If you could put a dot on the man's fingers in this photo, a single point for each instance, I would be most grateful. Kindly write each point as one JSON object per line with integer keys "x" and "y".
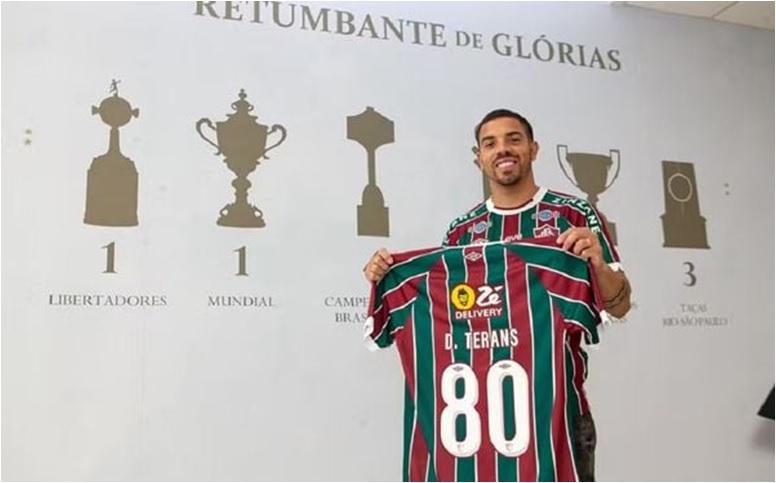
{"x": 378, "y": 264}
{"x": 374, "y": 274}
{"x": 579, "y": 246}
{"x": 382, "y": 264}
{"x": 571, "y": 240}
{"x": 383, "y": 254}
{"x": 563, "y": 236}
{"x": 585, "y": 244}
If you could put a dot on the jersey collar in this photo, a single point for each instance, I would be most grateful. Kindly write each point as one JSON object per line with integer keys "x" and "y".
{"x": 536, "y": 199}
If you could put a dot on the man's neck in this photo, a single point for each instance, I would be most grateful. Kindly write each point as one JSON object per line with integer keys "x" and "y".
{"x": 512, "y": 196}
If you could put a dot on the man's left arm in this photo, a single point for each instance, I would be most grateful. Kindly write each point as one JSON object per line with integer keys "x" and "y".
{"x": 613, "y": 284}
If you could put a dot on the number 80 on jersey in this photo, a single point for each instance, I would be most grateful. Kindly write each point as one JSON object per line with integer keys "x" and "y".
{"x": 465, "y": 406}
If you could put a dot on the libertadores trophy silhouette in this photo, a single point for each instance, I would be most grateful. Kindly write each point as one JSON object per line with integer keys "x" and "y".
{"x": 112, "y": 180}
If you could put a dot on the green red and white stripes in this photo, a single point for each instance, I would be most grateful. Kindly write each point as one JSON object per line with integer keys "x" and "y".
{"x": 489, "y": 338}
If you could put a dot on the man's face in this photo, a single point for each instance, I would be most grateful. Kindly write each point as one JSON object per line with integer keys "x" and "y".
{"x": 505, "y": 153}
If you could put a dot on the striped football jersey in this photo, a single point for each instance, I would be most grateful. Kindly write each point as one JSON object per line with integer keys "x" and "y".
{"x": 548, "y": 214}
{"x": 490, "y": 337}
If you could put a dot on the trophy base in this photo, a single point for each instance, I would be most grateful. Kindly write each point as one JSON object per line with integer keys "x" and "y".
{"x": 684, "y": 232}
{"x": 98, "y": 221}
{"x": 373, "y": 220}
{"x": 241, "y": 215}
{"x": 111, "y": 192}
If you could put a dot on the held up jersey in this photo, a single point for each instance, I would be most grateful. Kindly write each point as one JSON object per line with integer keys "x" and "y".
{"x": 490, "y": 337}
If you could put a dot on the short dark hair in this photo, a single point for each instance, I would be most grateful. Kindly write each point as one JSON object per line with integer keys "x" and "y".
{"x": 503, "y": 113}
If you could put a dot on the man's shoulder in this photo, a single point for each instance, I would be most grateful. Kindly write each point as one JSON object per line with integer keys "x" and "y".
{"x": 471, "y": 214}
{"x": 560, "y": 198}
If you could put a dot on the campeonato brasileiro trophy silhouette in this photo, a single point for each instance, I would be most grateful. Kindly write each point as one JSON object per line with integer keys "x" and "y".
{"x": 112, "y": 180}
{"x": 243, "y": 142}
{"x": 371, "y": 130}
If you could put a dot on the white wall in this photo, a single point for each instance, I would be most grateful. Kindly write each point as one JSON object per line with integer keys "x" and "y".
{"x": 188, "y": 391}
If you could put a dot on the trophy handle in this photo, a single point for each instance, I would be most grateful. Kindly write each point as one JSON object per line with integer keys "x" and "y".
{"x": 275, "y": 127}
{"x": 202, "y": 121}
{"x": 562, "y": 153}
{"x": 615, "y": 155}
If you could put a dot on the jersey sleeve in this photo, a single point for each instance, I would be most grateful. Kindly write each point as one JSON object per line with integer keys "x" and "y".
{"x": 390, "y": 305}
{"x": 598, "y": 224}
{"x": 451, "y": 236}
{"x": 392, "y": 299}
{"x": 601, "y": 228}
{"x": 569, "y": 281}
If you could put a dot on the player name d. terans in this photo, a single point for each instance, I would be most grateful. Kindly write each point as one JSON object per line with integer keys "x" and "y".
{"x": 485, "y": 339}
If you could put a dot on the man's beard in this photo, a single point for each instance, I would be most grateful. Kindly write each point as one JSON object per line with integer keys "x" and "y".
{"x": 509, "y": 180}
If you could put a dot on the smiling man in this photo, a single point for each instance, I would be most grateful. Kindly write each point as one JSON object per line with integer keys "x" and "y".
{"x": 509, "y": 326}
{"x": 518, "y": 208}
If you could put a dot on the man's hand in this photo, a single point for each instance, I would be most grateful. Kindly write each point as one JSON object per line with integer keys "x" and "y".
{"x": 583, "y": 242}
{"x": 378, "y": 264}
{"x": 614, "y": 286}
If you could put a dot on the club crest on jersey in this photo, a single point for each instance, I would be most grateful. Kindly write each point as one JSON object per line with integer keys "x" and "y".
{"x": 484, "y": 302}
{"x": 480, "y": 227}
{"x": 546, "y": 230}
{"x": 545, "y": 216}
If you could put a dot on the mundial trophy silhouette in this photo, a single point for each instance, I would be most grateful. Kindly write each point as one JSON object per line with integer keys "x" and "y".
{"x": 243, "y": 142}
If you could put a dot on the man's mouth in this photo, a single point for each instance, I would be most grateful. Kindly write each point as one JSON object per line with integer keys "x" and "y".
{"x": 505, "y": 163}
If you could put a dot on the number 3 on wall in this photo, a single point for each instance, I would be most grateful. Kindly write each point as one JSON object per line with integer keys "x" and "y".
{"x": 691, "y": 274}
{"x": 465, "y": 406}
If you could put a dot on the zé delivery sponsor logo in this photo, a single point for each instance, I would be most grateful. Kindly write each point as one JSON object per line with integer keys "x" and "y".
{"x": 483, "y": 302}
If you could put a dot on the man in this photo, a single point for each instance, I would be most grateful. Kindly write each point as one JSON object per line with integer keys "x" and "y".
{"x": 506, "y": 151}
{"x": 518, "y": 209}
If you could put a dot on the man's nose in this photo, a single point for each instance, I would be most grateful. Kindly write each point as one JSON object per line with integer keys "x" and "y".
{"x": 501, "y": 148}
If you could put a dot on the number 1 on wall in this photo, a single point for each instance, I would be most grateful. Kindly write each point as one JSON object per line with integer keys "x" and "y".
{"x": 110, "y": 262}
{"x": 241, "y": 262}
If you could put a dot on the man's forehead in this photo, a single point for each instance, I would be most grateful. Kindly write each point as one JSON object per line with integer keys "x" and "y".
{"x": 502, "y": 125}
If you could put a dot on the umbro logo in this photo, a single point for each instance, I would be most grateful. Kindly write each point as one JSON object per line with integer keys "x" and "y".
{"x": 473, "y": 256}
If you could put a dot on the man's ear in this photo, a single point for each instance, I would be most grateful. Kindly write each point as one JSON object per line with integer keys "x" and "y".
{"x": 476, "y": 151}
{"x": 535, "y": 149}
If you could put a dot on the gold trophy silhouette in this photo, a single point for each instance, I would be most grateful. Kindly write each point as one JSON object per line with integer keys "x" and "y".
{"x": 590, "y": 172}
{"x": 111, "y": 183}
{"x": 683, "y": 224}
{"x": 243, "y": 142}
{"x": 371, "y": 130}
